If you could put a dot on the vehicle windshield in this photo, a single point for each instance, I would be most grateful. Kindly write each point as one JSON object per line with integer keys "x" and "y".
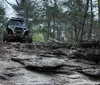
{"x": 16, "y": 23}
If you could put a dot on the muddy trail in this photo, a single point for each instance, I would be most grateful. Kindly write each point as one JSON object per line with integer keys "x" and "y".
{"x": 50, "y": 64}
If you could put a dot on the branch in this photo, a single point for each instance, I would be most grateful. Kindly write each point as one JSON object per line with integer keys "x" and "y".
{"x": 17, "y": 3}
{"x": 8, "y": 3}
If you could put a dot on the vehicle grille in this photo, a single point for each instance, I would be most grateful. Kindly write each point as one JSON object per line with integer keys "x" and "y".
{"x": 18, "y": 30}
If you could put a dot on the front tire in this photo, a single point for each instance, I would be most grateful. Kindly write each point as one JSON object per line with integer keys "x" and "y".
{"x": 5, "y": 36}
{"x": 29, "y": 38}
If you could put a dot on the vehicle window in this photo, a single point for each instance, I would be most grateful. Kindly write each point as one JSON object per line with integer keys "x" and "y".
{"x": 16, "y": 23}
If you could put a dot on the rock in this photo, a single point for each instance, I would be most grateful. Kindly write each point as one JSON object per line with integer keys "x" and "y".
{"x": 55, "y": 46}
{"x": 37, "y": 64}
{"x": 88, "y": 50}
{"x": 88, "y": 54}
{"x": 47, "y": 55}
{"x": 91, "y": 71}
{"x": 40, "y": 62}
{"x": 60, "y": 52}
{"x": 89, "y": 44}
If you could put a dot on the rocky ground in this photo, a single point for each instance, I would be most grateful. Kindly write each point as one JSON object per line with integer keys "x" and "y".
{"x": 50, "y": 64}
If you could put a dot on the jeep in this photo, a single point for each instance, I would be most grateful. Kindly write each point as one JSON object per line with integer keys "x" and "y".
{"x": 17, "y": 31}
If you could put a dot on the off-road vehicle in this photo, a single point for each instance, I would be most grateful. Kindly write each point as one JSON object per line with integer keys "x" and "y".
{"x": 17, "y": 31}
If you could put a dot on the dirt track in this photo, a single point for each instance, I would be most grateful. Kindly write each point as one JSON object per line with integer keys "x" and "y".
{"x": 36, "y": 64}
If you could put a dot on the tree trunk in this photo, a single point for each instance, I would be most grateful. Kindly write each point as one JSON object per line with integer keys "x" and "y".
{"x": 99, "y": 17}
{"x": 79, "y": 26}
{"x": 49, "y": 31}
{"x": 54, "y": 27}
{"x": 91, "y": 22}
{"x": 27, "y": 13}
{"x": 84, "y": 18}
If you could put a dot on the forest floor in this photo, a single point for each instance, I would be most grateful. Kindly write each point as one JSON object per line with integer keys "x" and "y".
{"x": 50, "y": 64}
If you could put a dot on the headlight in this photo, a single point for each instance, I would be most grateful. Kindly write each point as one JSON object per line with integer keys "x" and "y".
{"x": 9, "y": 26}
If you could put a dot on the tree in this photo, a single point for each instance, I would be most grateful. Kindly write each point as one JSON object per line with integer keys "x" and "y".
{"x": 91, "y": 21}
{"x": 2, "y": 20}
{"x": 52, "y": 16}
{"x": 84, "y": 19}
{"x": 67, "y": 19}
{"x": 99, "y": 15}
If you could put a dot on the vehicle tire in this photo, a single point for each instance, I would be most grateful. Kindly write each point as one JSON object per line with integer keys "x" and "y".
{"x": 29, "y": 38}
{"x": 5, "y": 36}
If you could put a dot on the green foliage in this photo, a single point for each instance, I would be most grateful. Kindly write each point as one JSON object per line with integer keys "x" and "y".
{"x": 99, "y": 2}
{"x": 2, "y": 15}
{"x": 38, "y": 37}
{"x": 54, "y": 18}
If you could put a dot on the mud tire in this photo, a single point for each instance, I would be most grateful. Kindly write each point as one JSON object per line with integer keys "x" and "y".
{"x": 29, "y": 38}
{"x": 5, "y": 36}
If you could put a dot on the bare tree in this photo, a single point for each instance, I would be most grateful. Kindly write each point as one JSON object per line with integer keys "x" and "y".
{"x": 84, "y": 18}
{"x": 91, "y": 21}
{"x": 99, "y": 15}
